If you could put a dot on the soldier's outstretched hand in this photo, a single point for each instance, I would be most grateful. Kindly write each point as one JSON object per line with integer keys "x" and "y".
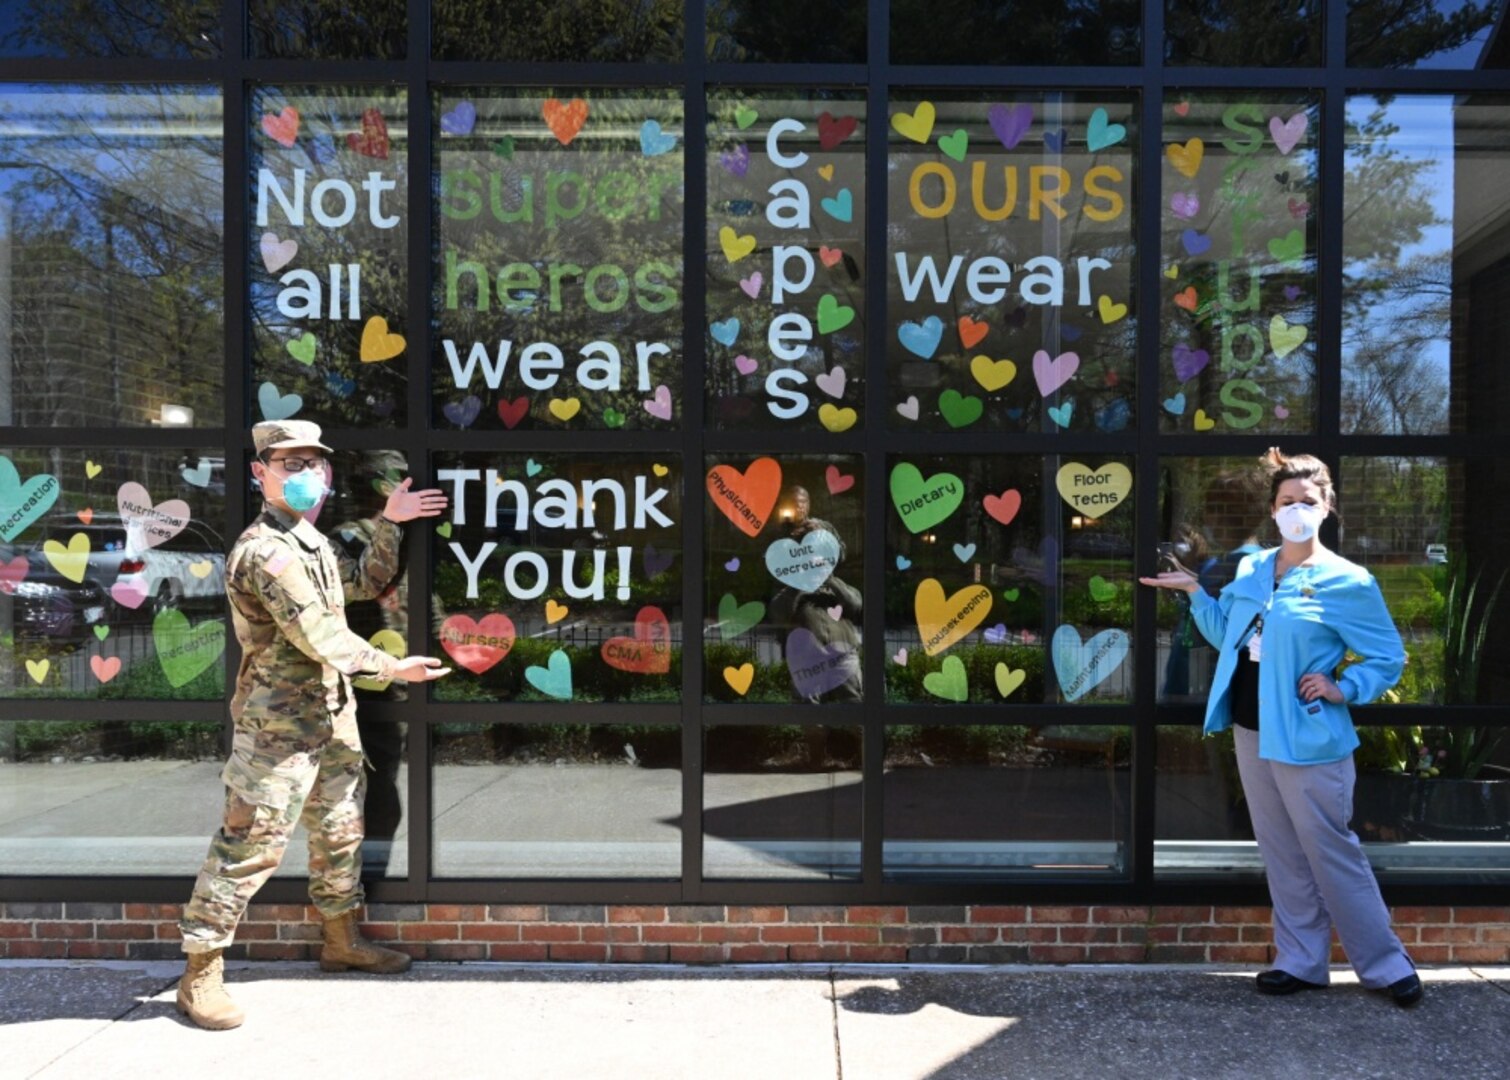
{"x": 406, "y": 505}
{"x": 420, "y": 669}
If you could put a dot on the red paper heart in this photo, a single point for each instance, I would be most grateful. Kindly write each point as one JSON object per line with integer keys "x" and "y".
{"x": 564, "y": 118}
{"x": 475, "y": 645}
{"x": 649, "y": 651}
{"x": 971, "y": 332}
{"x": 105, "y": 668}
{"x": 832, "y": 131}
{"x": 829, "y": 256}
{"x": 282, "y": 128}
{"x": 838, "y": 482}
{"x": 1003, "y": 507}
{"x": 746, "y": 498}
{"x": 373, "y": 139}
{"x": 511, "y": 412}
{"x": 12, "y": 573}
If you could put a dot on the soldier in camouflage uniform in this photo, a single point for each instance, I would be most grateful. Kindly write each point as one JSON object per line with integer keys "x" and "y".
{"x": 296, "y": 754}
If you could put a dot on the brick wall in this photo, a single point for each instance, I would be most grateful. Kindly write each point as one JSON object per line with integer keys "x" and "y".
{"x": 718, "y": 934}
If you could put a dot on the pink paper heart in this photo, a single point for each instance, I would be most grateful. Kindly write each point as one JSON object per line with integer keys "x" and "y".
{"x": 148, "y": 525}
{"x": 12, "y": 573}
{"x": 1053, "y": 372}
{"x": 909, "y": 408}
{"x": 751, "y": 285}
{"x": 836, "y": 612}
{"x": 744, "y": 365}
{"x": 1185, "y": 204}
{"x": 832, "y": 383}
{"x": 900, "y": 656}
{"x": 1281, "y": 412}
{"x": 1286, "y": 133}
{"x": 660, "y": 406}
{"x": 129, "y": 592}
{"x": 276, "y": 254}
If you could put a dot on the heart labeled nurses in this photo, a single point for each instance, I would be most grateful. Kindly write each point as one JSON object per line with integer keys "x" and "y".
{"x": 1239, "y": 283}
{"x": 999, "y": 244}
{"x": 785, "y": 289}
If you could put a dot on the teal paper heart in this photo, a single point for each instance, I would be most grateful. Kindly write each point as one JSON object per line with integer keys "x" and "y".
{"x": 553, "y": 680}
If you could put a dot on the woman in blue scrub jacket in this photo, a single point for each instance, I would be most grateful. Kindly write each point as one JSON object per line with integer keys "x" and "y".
{"x": 1281, "y": 627}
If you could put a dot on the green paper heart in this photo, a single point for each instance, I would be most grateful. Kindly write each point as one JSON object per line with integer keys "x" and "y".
{"x": 302, "y": 349}
{"x": 101, "y": 632}
{"x": 1011, "y": 595}
{"x": 184, "y": 651}
{"x": 922, "y": 503}
{"x": 744, "y": 116}
{"x": 613, "y": 418}
{"x": 833, "y": 315}
{"x": 1289, "y": 248}
{"x": 504, "y": 147}
{"x": 553, "y": 680}
{"x": 951, "y": 684}
{"x": 735, "y": 618}
{"x": 1102, "y": 590}
{"x": 958, "y": 410}
{"x": 444, "y": 529}
{"x": 954, "y": 146}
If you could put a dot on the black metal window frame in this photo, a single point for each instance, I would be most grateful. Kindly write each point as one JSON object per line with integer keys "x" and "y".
{"x": 235, "y": 73}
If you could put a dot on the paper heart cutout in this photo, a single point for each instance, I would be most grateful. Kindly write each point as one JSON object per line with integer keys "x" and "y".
{"x": 554, "y": 680}
{"x": 746, "y": 498}
{"x": 648, "y": 652}
{"x": 276, "y": 253}
{"x": 565, "y": 119}
{"x": 1082, "y": 665}
{"x": 816, "y": 668}
{"x": 951, "y": 682}
{"x": 477, "y": 644}
{"x": 70, "y": 560}
{"x": 105, "y": 668}
{"x": 944, "y": 620}
{"x": 378, "y": 344}
{"x": 282, "y": 127}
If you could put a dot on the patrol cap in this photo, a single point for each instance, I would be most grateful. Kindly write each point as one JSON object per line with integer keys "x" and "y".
{"x": 277, "y": 434}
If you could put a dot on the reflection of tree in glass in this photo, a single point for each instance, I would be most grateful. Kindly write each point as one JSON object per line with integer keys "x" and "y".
{"x": 558, "y": 30}
{"x": 163, "y": 28}
{"x": 1400, "y": 33}
{"x": 1030, "y": 31}
{"x": 782, "y": 31}
{"x": 307, "y": 29}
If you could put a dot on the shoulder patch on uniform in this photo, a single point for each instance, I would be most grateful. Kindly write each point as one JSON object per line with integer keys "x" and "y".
{"x": 279, "y": 563}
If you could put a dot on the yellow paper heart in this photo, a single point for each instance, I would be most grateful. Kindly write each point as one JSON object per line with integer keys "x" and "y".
{"x": 1284, "y": 337}
{"x": 735, "y": 247}
{"x": 70, "y": 561}
{"x": 555, "y": 612}
{"x": 916, "y": 125}
{"x": 1187, "y": 158}
{"x": 826, "y": 171}
{"x": 202, "y": 568}
{"x": 1172, "y": 273}
{"x": 38, "y": 669}
{"x": 659, "y": 469}
{"x": 1008, "y": 680}
{"x": 377, "y": 343}
{"x": 1110, "y": 312}
{"x": 944, "y": 620}
{"x": 992, "y": 374}
{"x": 740, "y": 678}
{"x": 92, "y": 470}
{"x": 565, "y": 409}
{"x": 1093, "y": 492}
{"x": 390, "y": 642}
{"x": 837, "y": 419}
{"x": 1202, "y": 421}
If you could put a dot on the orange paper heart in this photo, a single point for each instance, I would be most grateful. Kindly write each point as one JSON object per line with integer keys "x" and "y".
{"x": 565, "y": 119}
{"x": 282, "y": 128}
{"x": 378, "y": 343}
{"x": 746, "y": 498}
{"x": 649, "y": 651}
{"x": 105, "y": 668}
{"x": 86, "y": 515}
{"x": 971, "y": 332}
{"x": 1186, "y": 298}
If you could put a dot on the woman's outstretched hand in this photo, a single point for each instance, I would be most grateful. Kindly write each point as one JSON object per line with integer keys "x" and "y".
{"x": 1180, "y": 578}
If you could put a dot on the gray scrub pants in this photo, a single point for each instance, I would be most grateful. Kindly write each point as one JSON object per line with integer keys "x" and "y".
{"x": 1318, "y": 874}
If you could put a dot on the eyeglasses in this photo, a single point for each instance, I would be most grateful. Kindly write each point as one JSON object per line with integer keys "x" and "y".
{"x": 298, "y": 464}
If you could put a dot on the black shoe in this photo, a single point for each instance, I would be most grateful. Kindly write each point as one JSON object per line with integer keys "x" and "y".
{"x": 1275, "y": 981}
{"x": 1407, "y": 991}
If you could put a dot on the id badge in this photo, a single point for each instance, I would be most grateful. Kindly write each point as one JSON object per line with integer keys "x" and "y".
{"x": 1256, "y": 647}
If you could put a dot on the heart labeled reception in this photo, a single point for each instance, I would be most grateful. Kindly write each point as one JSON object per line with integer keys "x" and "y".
{"x": 557, "y": 302}
{"x": 784, "y": 579}
{"x": 111, "y": 574}
{"x": 559, "y": 577}
{"x": 785, "y": 259}
{"x": 1011, "y": 263}
{"x": 1009, "y": 579}
{"x": 328, "y": 250}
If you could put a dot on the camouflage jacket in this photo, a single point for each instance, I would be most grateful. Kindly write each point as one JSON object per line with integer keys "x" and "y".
{"x": 288, "y": 589}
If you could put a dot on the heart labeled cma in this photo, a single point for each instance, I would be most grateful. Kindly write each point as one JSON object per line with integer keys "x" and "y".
{"x": 649, "y": 651}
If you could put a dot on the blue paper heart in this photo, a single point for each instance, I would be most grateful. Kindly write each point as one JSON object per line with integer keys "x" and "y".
{"x": 654, "y": 141}
{"x": 1175, "y": 404}
{"x": 321, "y": 149}
{"x": 460, "y": 120}
{"x": 732, "y": 565}
{"x": 1070, "y": 332}
{"x": 553, "y": 680}
{"x": 840, "y": 207}
{"x": 532, "y": 467}
{"x": 1061, "y": 414}
{"x": 1196, "y": 243}
{"x": 1053, "y": 141}
{"x": 276, "y": 406}
{"x": 903, "y": 562}
{"x": 922, "y": 339}
{"x": 996, "y": 634}
{"x": 339, "y": 384}
{"x": 804, "y": 564}
{"x": 463, "y": 412}
{"x": 725, "y": 332}
{"x": 1099, "y": 133}
{"x": 1081, "y": 666}
{"x": 1114, "y": 416}
{"x": 962, "y": 552}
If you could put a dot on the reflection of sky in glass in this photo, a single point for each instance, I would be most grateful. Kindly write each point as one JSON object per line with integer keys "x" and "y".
{"x": 1470, "y": 53}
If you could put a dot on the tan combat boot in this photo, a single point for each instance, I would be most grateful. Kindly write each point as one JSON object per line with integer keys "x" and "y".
{"x": 201, "y": 993}
{"x": 345, "y": 948}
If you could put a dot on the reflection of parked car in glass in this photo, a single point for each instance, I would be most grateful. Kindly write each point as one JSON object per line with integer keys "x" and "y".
{"x": 44, "y": 603}
{"x": 1099, "y": 544}
{"x": 1436, "y": 553}
{"x": 186, "y": 571}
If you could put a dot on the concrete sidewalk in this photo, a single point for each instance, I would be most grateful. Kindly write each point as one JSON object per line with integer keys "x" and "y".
{"x": 117, "y": 1020}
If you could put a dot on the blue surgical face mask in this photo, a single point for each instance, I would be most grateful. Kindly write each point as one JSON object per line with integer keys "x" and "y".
{"x": 303, "y": 491}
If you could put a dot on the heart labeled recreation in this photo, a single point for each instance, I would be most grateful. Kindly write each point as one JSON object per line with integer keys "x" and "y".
{"x": 22, "y": 502}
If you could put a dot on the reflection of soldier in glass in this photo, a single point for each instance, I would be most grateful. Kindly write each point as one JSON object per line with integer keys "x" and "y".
{"x": 814, "y": 611}
{"x": 1188, "y": 551}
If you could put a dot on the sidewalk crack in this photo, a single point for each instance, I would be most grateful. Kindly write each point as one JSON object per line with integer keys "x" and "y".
{"x": 142, "y": 1000}
{"x": 833, "y": 1001}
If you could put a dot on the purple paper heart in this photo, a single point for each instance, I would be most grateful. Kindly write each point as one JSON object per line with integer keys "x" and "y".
{"x": 736, "y": 161}
{"x": 996, "y": 634}
{"x": 816, "y": 668}
{"x": 1196, "y": 243}
{"x": 1053, "y": 141}
{"x": 655, "y": 562}
{"x": 1070, "y": 332}
{"x": 1292, "y": 292}
{"x": 1010, "y": 122}
{"x": 732, "y": 565}
{"x": 1188, "y": 362}
{"x": 463, "y": 412}
{"x": 460, "y": 120}
{"x": 1185, "y": 204}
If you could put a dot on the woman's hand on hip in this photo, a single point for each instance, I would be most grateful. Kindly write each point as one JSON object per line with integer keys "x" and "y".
{"x": 1317, "y": 685}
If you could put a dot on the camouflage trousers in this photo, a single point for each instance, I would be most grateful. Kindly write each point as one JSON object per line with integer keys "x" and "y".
{"x": 282, "y": 773}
